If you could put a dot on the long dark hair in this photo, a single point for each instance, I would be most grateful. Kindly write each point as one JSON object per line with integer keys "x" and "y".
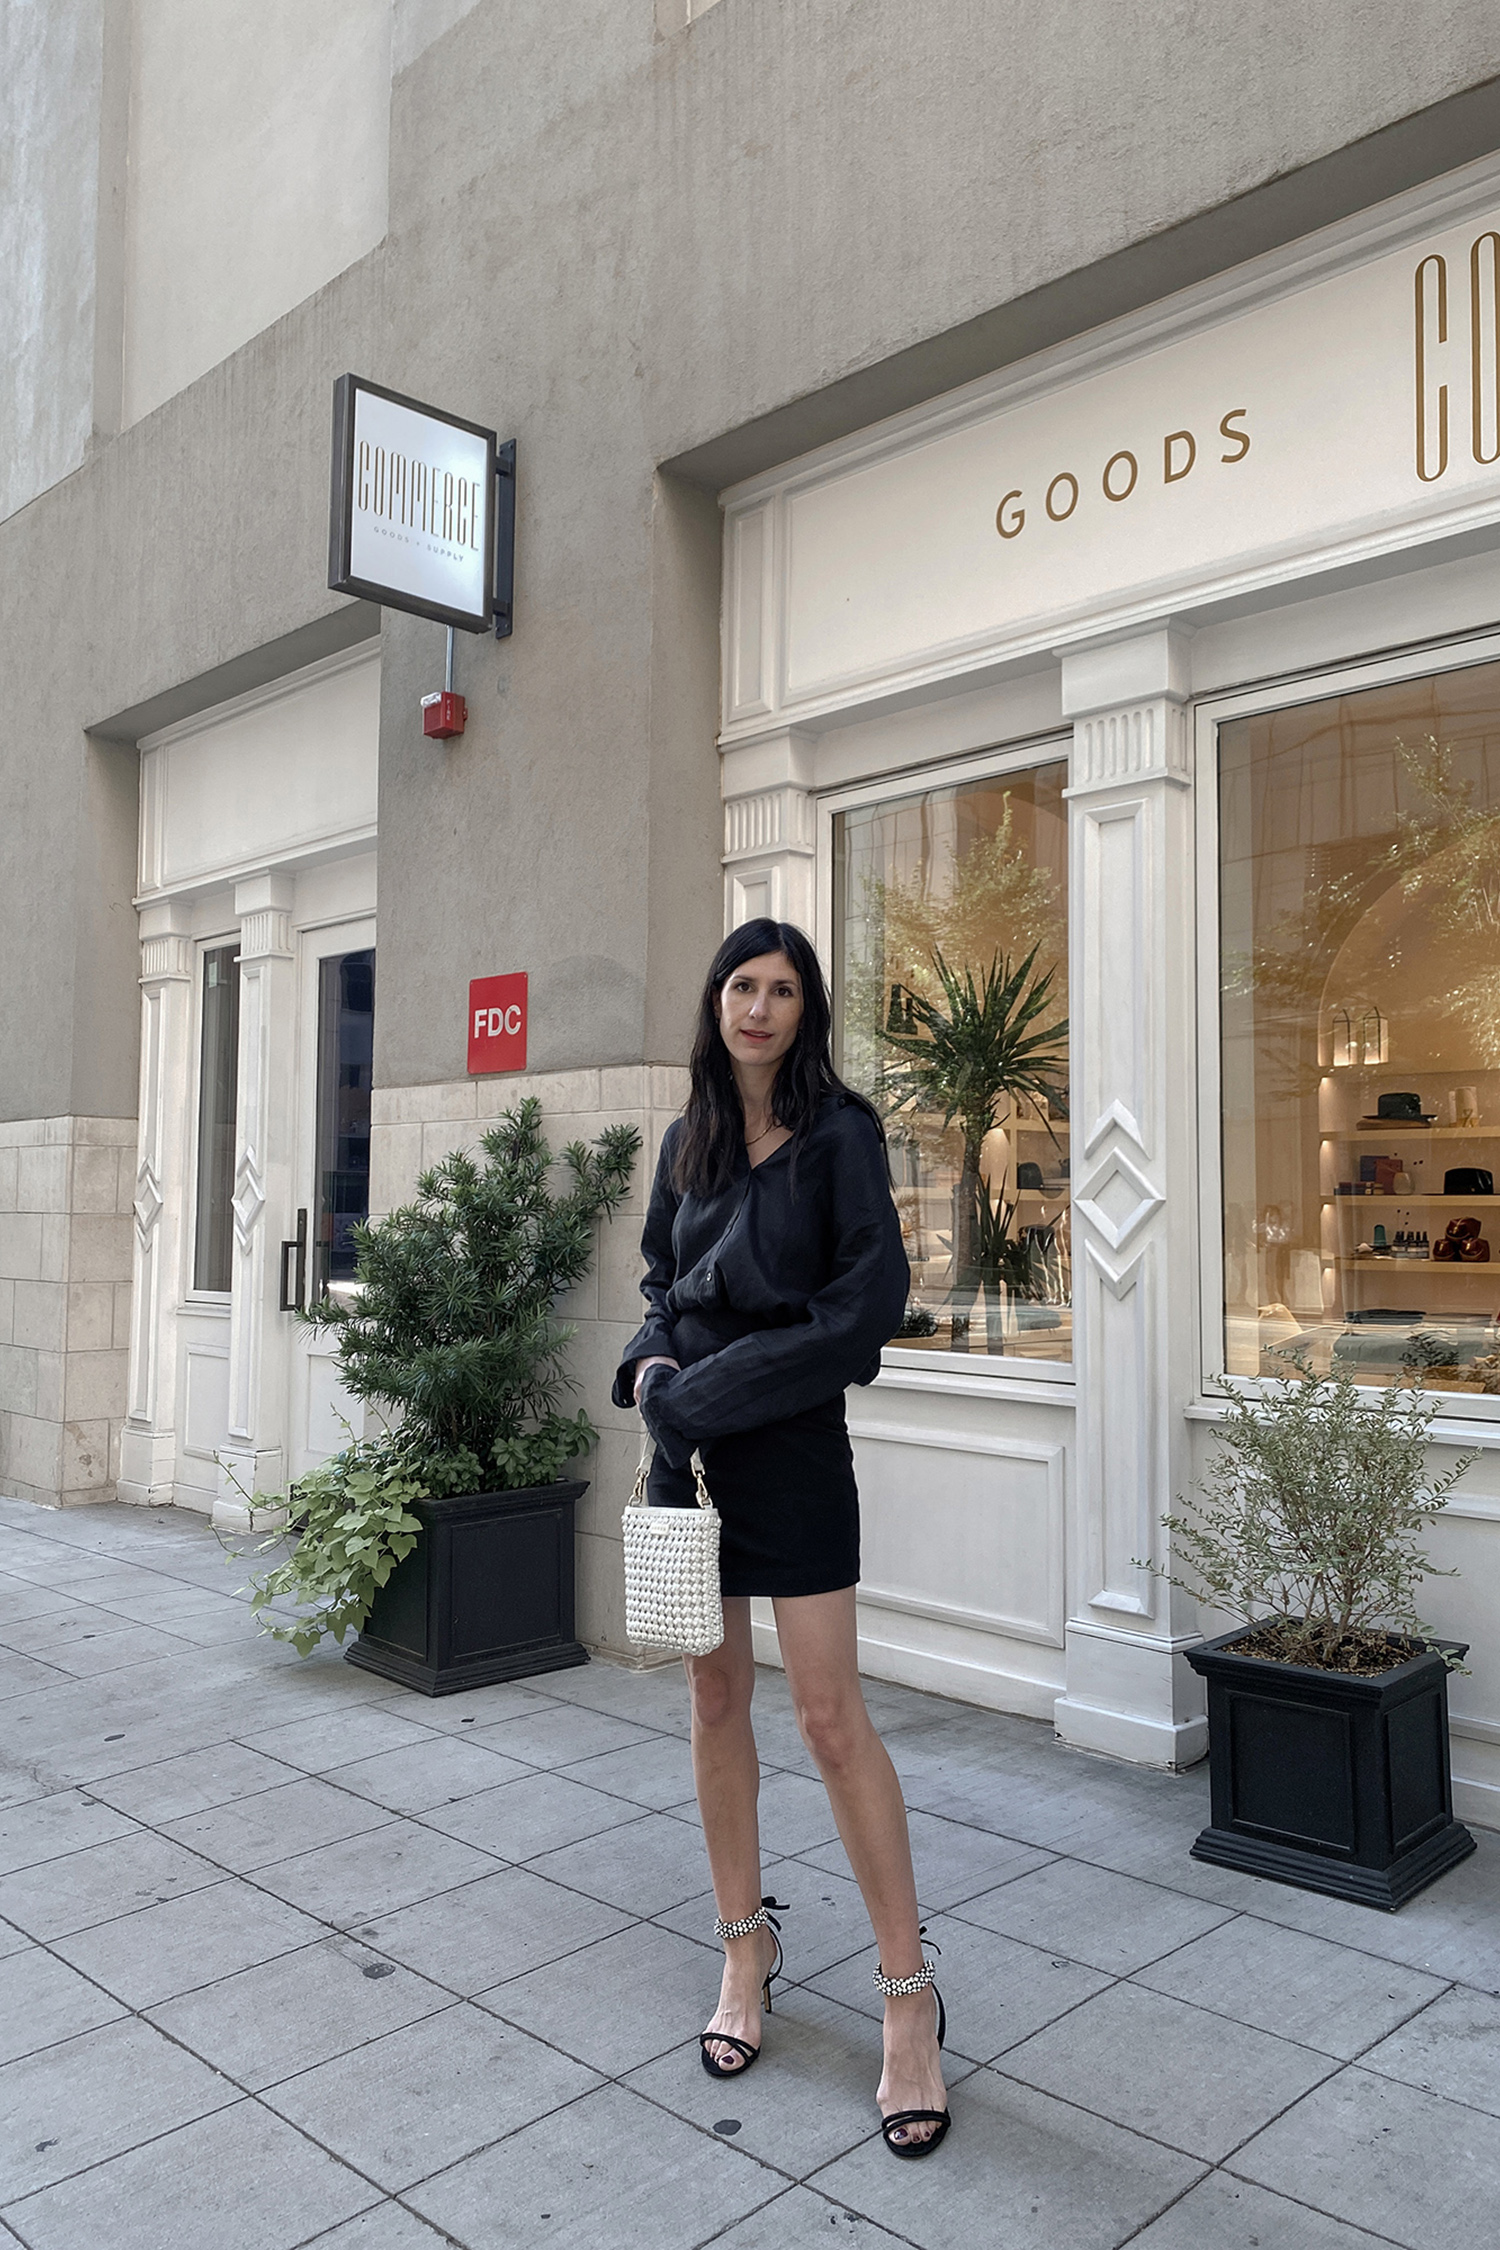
{"x": 713, "y": 1123}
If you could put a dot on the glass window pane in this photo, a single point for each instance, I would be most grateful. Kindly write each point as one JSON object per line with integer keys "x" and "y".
{"x": 1360, "y": 910}
{"x": 218, "y": 1081}
{"x": 950, "y": 992}
{"x": 346, "y": 1046}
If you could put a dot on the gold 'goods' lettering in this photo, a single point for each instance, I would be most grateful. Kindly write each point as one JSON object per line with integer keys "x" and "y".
{"x": 1121, "y": 473}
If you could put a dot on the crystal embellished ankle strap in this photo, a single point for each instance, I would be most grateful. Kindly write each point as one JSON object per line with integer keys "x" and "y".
{"x": 896, "y": 1988}
{"x": 761, "y": 1919}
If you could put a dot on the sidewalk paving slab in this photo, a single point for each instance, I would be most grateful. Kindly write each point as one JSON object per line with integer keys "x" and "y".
{"x": 801, "y": 2219}
{"x": 1111, "y": 1922}
{"x": 73, "y": 2105}
{"x": 1225, "y": 2214}
{"x": 815, "y": 2105}
{"x": 241, "y": 2181}
{"x": 189, "y": 1942}
{"x": 423, "y": 1776}
{"x": 1003, "y": 1991}
{"x": 577, "y": 2177}
{"x": 617, "y": 2003}
{"x": 419, "y": 2099}
{"x": 297, "y": 2010}
{"x": 43, "y": 2002}
{"x": 1451, "y": 2048}
{"x": 320, "y": 1964}
{"x": 194, "y": 1781}
{"x": 1173, "y": 2072}
{"x": 1300, "y": 1987}
{"x": 388, "y": 2227}
{"x": 48, "y": 1827}
{"x": 1036, "y": 2174}
{"x": 57, "y": 1897}
{"x": 1384, "y": 2156}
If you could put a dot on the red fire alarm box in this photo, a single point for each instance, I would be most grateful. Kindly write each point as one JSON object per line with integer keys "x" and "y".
{"x": 497, "y": 1024}
{"x": 444, "y": 714}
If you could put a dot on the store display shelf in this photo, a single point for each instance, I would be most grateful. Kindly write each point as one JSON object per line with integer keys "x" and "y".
{"x": 1404, "y": 1266}
{"x": 1427, "y": 1201}
{"x": 1395, "y": 1129}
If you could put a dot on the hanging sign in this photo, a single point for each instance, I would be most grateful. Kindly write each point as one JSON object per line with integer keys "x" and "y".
{"x": 497, "y": 1024}
{"x": 423, "y": 509}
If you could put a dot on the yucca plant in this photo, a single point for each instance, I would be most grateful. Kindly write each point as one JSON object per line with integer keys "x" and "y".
{"x": 989, "y": 1042}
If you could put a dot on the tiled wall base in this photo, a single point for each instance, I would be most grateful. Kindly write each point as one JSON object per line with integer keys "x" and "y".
{"x": 66, "y": 1185}
{"x": 412, "y": 1126}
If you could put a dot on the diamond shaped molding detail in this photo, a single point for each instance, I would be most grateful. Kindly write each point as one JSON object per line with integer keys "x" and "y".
{"x": 148, "y": 1201}
{"x": 249, "y": 1200}
{"x": 1117, "y": 1200}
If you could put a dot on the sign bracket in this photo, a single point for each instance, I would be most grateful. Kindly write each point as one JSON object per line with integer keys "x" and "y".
{"x": 505, "y": 538}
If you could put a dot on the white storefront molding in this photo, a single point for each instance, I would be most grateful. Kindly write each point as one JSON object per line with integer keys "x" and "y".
{"x": 1063, "y": 557}
{"x": 893, "y": 561}
{"x": 257, "y": 831}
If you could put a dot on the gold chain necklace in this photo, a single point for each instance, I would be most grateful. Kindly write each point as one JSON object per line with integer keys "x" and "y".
{"x": 771, "y": 1128}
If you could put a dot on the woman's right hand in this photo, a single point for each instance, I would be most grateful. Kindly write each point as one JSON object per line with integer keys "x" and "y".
{"x": 641, "y": 1366}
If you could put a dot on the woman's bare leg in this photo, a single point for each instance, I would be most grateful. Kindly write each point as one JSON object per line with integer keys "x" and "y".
{"x": 819, "y": 1648}
{"x": 726, "y": 1772}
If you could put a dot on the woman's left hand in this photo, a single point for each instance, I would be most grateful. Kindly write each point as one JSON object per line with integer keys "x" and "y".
{"x": 641, "y": 1366}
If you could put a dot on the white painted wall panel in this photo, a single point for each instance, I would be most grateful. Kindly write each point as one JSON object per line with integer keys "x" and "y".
{"x": 285, "y": 772}
{"x": 963, "y": 1530}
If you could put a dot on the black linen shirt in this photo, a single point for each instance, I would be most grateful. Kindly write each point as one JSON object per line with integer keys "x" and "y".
{"x": 774, "y": 1294}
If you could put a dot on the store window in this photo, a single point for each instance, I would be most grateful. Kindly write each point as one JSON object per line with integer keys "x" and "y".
{"x": 950, "y": 942}
{"x": 218, "y": 1085}
{"x": 1360, "y": 930}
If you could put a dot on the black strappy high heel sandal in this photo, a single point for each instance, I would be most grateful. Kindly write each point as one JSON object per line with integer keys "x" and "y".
{"x": 899, "y": 2119}
{"x": 761, "y": 1919}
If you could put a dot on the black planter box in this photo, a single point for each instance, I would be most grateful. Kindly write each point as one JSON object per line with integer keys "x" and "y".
{"x": 486, "y": 1593}
{"x": 1329, "y": 1781}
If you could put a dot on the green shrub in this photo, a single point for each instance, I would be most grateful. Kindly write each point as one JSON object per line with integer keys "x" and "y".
{"x": 452, "y": 1335}
{"x": 1311, "y": 1515}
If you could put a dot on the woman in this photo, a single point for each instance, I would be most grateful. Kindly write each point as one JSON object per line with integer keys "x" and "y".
{"x": 775, "y": 1272}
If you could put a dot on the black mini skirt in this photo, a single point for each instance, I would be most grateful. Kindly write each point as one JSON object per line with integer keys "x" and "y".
{"x": 788, "y": 1500}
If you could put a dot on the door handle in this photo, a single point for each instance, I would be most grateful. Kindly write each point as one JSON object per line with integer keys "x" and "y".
{"x": 294, "y": 1254}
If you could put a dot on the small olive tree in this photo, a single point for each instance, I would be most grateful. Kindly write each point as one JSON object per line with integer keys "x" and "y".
{"x": 1310, "y": 1519}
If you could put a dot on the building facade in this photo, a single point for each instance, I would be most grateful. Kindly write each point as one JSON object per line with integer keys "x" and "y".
{"x": 1020, "y": 499}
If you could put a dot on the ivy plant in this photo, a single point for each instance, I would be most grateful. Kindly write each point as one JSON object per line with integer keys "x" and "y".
{"x": 353, "y": 1523}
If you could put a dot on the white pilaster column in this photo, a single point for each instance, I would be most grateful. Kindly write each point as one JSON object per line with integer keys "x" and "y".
{"x": 253, "y": 1457}
{"x": 162, "y": 1203}
{"x": 769, "y": 839}
{"x": 1134, "y": 1169}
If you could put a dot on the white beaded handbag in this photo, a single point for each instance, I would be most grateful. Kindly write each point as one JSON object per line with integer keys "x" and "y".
{"x": 672, "y": 1568}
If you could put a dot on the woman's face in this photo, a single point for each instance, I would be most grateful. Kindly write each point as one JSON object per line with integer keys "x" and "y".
{"x": 760, "y": 1007}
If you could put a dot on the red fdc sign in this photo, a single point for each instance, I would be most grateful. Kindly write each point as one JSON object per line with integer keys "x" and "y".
{"x": 497, "y": 1023}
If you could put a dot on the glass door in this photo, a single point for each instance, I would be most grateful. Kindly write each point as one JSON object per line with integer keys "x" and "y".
{"x": 336, "y": 996}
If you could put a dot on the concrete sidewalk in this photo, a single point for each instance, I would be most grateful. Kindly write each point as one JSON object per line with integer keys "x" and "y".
{"x": 288, "y": 1958}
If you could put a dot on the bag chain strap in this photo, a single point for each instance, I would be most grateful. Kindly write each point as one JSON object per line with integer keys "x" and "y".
{"x": 638, "y": 1489}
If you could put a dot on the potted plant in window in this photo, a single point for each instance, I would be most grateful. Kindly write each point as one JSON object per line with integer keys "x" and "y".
{"x": 1328, "y": 1703}
{"x": 993, "y": 1040}
{"x": 446, "y": 1542}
